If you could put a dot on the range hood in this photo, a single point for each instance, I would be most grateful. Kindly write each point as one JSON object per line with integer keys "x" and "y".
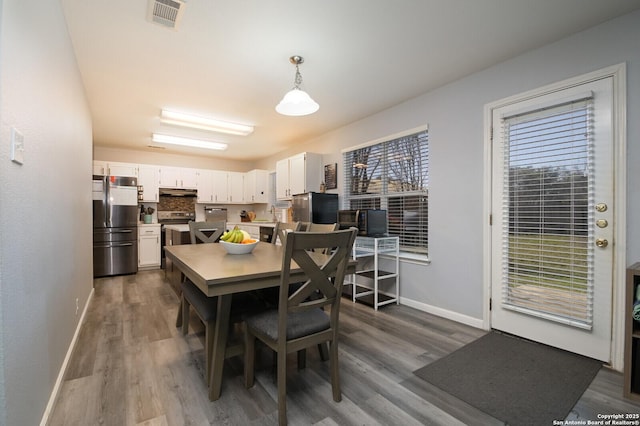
{"x": 178, "y": 192}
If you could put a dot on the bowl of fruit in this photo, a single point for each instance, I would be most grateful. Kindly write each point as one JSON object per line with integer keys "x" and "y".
{"x": 238, "y": 241}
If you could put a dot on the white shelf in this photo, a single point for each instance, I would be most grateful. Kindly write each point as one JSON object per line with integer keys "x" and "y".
{"x": 366, "y": 282}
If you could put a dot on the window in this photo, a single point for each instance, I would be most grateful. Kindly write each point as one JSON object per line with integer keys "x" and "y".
{"x": 393, "y": 175}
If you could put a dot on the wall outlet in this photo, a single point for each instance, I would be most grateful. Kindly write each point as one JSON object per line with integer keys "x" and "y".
{"x": 77, "y": 306}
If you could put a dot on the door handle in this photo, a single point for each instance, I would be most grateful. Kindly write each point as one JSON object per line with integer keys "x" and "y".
{"x": 602, "y": 242}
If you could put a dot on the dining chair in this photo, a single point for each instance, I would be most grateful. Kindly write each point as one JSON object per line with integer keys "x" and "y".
{"x": 299, "y": 321}
{"x": 281, "y": 229}
{"x": 206, "y": 232}
{"x": 206, "y": 308}
{"x": 323, "y": 227}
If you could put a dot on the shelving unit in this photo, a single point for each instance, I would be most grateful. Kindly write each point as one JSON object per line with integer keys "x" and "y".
{"x": 632, "y": 337}
{"x": 365, "y": 283}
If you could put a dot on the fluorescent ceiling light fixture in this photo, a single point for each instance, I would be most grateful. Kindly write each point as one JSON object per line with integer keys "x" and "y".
{"x": 297, "y": 102}
{"x": 195, "y": 143}
{"x": 203, "y": 123}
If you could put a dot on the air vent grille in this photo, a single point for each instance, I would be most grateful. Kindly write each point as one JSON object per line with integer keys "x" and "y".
{"x": 166, "y": 12}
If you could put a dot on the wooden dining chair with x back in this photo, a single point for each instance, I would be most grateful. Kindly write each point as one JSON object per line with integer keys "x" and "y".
{"x": 280, "y": 230}
{"x": 206, "y": 307}
{"x": 299, "y": 321}
{"x": 206, "y": 232}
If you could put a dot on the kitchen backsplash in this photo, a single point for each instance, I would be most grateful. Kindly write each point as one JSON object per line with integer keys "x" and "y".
{"x": 183, "y": 204}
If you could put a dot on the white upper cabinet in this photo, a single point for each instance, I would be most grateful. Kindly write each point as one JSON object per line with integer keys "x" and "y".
{"x": 236, "y": 187}
{"x": 204, "y": 185}
{"x": 149, "y": 179}
{"x": 220, "y": 186}
{"x": 100, "y": 168}
{"x": 298, "y": 174}
{"x": 256, "y": 183}
{"x": 177, "y": 177}
{"x": 111, "y": 168}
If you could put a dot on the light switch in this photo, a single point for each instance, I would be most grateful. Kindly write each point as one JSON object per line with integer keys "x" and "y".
{"x": 17, "y": 146}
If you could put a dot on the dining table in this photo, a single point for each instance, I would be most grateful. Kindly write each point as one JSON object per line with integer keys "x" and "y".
{"x": 219, "y": 274}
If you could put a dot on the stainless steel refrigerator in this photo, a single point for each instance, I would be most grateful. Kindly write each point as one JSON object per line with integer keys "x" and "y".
{"x": 315, "y": 207}
{"x": 115, "y": 225}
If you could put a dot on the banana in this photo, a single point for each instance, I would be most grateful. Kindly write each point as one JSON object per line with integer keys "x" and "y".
{"x": 225, "y": 236}
{"x": 238, "y": 236}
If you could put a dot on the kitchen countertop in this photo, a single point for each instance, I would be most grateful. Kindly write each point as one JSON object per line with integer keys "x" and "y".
{"x": 142, "y": 224}
{"x": 255, "y": 223}
{"x": 177, "y": 227}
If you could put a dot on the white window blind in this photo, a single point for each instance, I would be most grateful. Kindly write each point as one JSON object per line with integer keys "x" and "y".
{"x": 393, "y": 175}
{"x": 548, "y": 206}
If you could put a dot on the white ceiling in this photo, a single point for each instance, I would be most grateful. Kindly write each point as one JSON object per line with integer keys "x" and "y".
{"x": 229, "y": 59}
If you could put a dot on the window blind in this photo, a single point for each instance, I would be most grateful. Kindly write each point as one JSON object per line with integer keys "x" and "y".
{"x": 547, "y": 203}
{"x": 393, "y": 175}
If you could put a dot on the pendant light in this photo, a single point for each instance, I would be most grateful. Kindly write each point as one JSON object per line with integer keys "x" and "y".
{"x": 297, "y": 102}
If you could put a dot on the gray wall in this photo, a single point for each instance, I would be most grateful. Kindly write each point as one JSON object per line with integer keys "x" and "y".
{"x": 452, "y": 283}
{"x": 45, "y": 205}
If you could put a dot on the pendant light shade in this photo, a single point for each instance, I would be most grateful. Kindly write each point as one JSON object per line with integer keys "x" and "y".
{"x": 297, "y": 102}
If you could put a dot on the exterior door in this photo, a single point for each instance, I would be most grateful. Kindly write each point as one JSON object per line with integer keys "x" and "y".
{"x": 552, "y": 218}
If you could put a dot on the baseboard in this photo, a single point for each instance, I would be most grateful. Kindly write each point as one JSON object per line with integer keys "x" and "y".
{"x": 63, "y": 369}
{"x": 444, "y": 313}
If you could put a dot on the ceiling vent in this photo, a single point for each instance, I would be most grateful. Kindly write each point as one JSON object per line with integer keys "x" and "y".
{"x": 167, "y": 13}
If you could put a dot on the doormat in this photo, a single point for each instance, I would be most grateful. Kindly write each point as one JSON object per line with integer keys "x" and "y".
{"x": 512, "y": 379}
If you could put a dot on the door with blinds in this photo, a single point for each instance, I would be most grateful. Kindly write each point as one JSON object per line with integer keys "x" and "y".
{"x": 552, "y": 218}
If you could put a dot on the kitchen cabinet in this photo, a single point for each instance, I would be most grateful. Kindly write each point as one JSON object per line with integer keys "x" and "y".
{"x": 204, "y": 184}
{"x": 221, "y": 187}
{"x": 149, "y": 179}
{"x": 255, "y": 186}
{"x": 298, "y": 174}
{"x": 149, "y": 246}
{"x": 123, "y": 169}
{"x": 177, "y": 177}
{"x": 100, "y": 168}
{"x": 111, "y": 168}
{"x": 236, "y": 187}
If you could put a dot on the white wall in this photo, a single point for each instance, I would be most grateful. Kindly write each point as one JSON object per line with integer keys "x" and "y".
{"x": 452, "y": 283}
{"x": 45, "y": 205}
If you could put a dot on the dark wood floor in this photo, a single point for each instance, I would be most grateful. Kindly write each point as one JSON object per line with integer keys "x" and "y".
{"x": 132, "y": 366}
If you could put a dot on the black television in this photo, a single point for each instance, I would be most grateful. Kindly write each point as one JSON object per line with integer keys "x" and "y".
{"x": 373, "y": 223}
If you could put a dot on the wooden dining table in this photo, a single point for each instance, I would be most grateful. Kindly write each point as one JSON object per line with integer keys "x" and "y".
{"x": 218, "y": 274}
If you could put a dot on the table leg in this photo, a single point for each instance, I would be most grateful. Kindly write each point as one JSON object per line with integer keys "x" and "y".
{"x": 219, "y": 346}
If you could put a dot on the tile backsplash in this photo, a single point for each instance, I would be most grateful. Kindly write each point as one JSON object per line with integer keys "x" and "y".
{"x": 186, "y": 204}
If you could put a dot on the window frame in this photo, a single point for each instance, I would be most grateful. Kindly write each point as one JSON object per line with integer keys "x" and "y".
{"x": 381, "y": 197}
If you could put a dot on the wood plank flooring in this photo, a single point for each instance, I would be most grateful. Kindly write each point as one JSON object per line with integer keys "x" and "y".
{"x": 132, "y": 366}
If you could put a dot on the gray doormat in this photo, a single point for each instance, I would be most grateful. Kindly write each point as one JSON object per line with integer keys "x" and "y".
{"x": 514, "y": 380}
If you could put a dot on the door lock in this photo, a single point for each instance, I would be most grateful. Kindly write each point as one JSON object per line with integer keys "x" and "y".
{"x": 601, "y": 207}
{"x": 602, "y": 223}
{"x": 602, "y": 242}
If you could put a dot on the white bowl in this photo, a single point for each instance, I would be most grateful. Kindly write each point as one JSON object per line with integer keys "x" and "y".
{"x": 236, "y": 248}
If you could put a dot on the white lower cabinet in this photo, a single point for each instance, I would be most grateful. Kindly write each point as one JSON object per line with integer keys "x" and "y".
{"x": 149, "y": 246}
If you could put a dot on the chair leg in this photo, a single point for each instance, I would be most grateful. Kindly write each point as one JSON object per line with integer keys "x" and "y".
{"x": 249, "y": 357}
{"x": 323, "y": 350}
{"x": 282, "y": 388}
{"x": 302, "y": 359}
{"x": 185, "y": 315}
{"x": 335, "y": 371}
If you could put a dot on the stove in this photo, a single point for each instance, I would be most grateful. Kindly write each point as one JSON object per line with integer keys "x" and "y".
{"x": 171, "y": 217}
{"x": 175, "y": 217}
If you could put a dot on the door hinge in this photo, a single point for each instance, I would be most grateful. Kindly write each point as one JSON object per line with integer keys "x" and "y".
{"x": 490, "y": 303}
{"x": 490, "y": 220}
